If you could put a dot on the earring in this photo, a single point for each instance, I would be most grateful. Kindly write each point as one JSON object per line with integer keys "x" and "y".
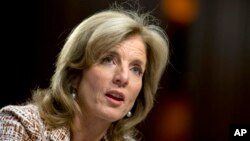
{"x": 129, "y": 114}
{"x": 73, "y": 95}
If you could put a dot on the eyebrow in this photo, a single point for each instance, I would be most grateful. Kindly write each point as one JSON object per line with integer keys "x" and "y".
{"x": 136, "y": 60}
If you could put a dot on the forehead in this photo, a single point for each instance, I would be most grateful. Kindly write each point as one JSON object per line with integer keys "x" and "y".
{"x": 133, "y": 47}
{"x": 131, "y": 44}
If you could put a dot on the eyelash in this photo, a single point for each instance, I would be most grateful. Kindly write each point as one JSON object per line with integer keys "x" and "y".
{"x": 108, "y": 59}
{"x": 138, "y": 70}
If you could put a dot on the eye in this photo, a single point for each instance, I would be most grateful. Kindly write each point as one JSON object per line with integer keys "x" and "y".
{"x": 137, "y": 70}
{"x": 109, "y": 59}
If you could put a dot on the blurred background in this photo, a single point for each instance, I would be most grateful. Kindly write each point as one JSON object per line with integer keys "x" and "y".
{"x": 206, "y": 87}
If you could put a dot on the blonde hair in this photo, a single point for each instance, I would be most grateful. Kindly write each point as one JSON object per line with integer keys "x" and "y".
{"x": 92, "y": 37}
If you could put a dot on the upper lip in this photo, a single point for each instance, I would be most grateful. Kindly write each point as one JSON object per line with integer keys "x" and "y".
{"x": 116, "y": 93}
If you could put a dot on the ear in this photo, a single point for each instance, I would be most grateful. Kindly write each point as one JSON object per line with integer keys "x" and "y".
{"x": 76, "y": 81}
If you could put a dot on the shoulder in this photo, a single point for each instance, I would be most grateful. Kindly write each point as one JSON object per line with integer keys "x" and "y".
{"x": 25, "y": 113}
{"x": 20, "y": 123}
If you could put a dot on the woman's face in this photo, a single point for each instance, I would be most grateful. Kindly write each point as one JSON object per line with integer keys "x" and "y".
{"x": 109, "y": 88}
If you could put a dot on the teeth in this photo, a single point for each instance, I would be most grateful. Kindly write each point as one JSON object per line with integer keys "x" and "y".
{"x": 116, "y": 95}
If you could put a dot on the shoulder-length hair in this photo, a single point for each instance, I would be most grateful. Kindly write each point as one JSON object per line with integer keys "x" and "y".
{"x": 92, "y": 37}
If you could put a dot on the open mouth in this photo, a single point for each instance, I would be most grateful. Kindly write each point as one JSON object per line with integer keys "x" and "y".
{"x": 115, "y": 97}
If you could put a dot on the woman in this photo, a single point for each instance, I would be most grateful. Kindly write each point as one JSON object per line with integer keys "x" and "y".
{"x": 106, "y": 76}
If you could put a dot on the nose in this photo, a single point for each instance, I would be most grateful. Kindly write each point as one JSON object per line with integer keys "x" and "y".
{"x": 121, "y": 77}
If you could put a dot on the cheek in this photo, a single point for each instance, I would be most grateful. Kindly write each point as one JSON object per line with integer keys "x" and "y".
{"x": 95, "y": 79}
{"x": 136, "y": 88}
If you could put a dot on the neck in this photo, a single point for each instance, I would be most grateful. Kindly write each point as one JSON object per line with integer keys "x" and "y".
{"x": 88, "y": 129}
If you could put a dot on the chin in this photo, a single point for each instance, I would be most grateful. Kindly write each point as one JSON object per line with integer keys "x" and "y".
{"x": 113, "y": 117}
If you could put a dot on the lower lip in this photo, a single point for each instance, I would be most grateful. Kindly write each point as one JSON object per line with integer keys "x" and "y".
{"x": 113, "y": 101}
